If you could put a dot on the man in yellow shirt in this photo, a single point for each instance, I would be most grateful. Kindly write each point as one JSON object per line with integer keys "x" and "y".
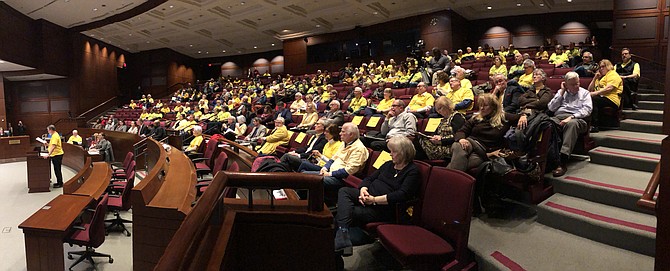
{"x": 421, "y": 102}
{"x": 462, "y": 97}
{"x": 358, "y": 103}
{"x": 75, "y": 138}
{"x": 55, "y": 151}
{"x": 526, "y": 79}
{"x": 558, "y": 58}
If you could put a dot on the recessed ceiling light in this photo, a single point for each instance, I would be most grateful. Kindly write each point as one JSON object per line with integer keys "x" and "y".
{"x": 130, "y": 34}
{"x": 569, "y": 1}
{"x": 206, "y": 52}
{"x": 518, "y": 4}
{"x": 2, "y": 61}
{"x": 318, "y": 25}
{"x": 285, "y": 30}
{"x": 102, "y": 38}
{"x": 542, "y": 4}
{"x": 190, "y": 45}
{"x": 239, "y": 52}
{"x": 375, "y": 13}
{"x": 255, "y": 47}
{"x": 171, "y": 6}
{"x": 230, "y": 6}
{"x": 489, "y": 7}
{"x": 148, "y": 42}
{"x": 224, "y": 51}
{"x": 92, "y": 35}
{"x": 95, "y": 9}
{"x": 242, "y": 3}
{"x": 273, "y": 44}
{"x": 357, "y": 44}
{"x": 199, "y": 52}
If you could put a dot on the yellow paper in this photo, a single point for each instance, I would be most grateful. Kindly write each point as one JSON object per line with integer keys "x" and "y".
{"x": 373, "y": 122}
{"x": 357, "y": 120}
{"x": 300, "y": 137}
{"x": 431, "y": 127}
{"x": 383, "y": 158}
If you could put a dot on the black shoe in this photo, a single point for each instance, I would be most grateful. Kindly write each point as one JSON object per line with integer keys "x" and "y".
{"x": 343, "y": 243}
{"x": 594, "y": 129}
{"x": 58, "y": 185}
{"x": 635, "y": 107}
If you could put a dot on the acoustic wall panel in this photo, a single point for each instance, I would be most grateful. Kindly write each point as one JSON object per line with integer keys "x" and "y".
{"x": 635, "y": 28}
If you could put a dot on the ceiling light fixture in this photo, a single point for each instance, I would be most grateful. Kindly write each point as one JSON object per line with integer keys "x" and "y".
{"x": 92, "y": 35}
{"x": 95, "y": 9}
{"x": 255, "y": 47}
{"x": 518, "y": 4}
{"x": 542, "y": 4}
{"x": 171, "y": 6}
{"x": 199, "y": 52}
{"x": 489, "y": 7}
{"x": 285, "y": 30}
{"x": 148, "y": 42}
{"x": 375, "y": 13}
{"x": 224, "y": 51}
{"x": 2, "y": 62}
{"x": 569, "y": 1}
{"x": 190, "y": 45}
{"x": 242, "y": 3}
{"x": 273, "y": 44}
{"x": 318, "y": 25}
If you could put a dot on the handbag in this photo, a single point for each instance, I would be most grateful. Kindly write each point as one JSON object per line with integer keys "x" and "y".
{"x": 499, "y": 166}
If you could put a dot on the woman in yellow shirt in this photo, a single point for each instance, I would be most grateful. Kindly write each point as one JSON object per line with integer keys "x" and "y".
{"x": 384, "y": 105}
{"x": 310, "y": 118}
{"x": 498, "y": 67}
{"x": 606, "y": 88}
{"x": 526, "y": 79}
{"x": 332, "y": 134}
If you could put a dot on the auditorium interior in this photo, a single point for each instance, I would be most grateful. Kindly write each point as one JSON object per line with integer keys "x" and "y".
{"x": 167, "y": 170}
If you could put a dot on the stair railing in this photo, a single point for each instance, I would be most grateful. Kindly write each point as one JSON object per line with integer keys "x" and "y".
{"x": 647, "y": 200}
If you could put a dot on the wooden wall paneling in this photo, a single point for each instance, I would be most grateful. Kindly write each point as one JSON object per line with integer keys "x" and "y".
{"x": 636, "y": 28}
{"x": 295, "y": 53}
{"x": 637, "y": 4}
{"x": 18, "y": 38}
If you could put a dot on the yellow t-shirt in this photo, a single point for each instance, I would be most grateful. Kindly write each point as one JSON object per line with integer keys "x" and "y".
{"x": 195, "y": 143}
{"x": 358, "y": 103}
{"x": 460, "y": 95}
{"x": 223, "y": 116}
{"x": 57, "y": 143}
{"x": 325, "y": 96}
{"x": 269, "y": 92}
{"x": 611, "y": 78}
{"x": 385, "y": 105}
{"x": 479, "y": 55}
{"x": 502, "y": 70}
{"x": 526, "y": 80}
{"x": 554, "y": 58}
{"x": 74, "y": 138}
{"x": 165, "y": 110}
{"x": 421, "y": 101}
{"x": 329, "y": 150}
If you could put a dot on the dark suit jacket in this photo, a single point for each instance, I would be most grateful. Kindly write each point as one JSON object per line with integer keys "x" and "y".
{"x": 286, "y": 114}
{"x": 336, "y": 117}
{"x": 318, "y": 145}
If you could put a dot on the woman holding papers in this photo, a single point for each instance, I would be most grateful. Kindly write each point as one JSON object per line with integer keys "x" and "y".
{"x": 438, "y": 146}
{"x": 396, "y": 181}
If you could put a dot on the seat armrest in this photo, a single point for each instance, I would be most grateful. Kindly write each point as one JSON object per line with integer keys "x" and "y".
{"x": 353, "y": 181}
{"x": 114, "y": 196}
{"x": 202, "y": 171}
{"x": 79, "y": 228}
{"x": 205, "y": 180}
{"x": 195, "y": 160}
{"x": 90, "y": 210}
{"x": 194, "y": 155}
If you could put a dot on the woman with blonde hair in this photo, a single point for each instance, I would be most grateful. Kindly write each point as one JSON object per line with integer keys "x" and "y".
{"x": 606, "y": 88}
{"x": 481, "y": 136}
{"x": 310, "y": 118}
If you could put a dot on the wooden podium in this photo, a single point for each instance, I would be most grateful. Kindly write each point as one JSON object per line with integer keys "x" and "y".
{"x": 39, "y": 173}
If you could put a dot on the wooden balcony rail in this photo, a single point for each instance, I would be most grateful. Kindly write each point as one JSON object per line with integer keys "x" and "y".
{"x": 647, "y": 200}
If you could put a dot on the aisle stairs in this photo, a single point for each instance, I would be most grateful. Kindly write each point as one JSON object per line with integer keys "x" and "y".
{"x": 592, "y": 221}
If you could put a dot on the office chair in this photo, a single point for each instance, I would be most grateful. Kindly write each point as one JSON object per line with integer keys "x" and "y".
{"x": 116, "y": 166}
{"x": 90, "y": 235}
{"x": 119, "y": 203}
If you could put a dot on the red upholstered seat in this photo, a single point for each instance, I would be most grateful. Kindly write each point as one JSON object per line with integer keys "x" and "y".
{"x": 416, "y": 245}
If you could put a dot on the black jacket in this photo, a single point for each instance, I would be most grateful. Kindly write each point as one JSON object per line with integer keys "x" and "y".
{"x": 318, "y": 145}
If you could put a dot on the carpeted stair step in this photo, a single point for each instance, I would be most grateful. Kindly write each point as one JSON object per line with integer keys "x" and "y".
{"x": 653, "y": 127}
{"x": 649, "y": 90}
{"x": 634, "y": 160}
{"x": 520, "y": 245}
{"x": 650, "y": 105}
{"x": 650, "y": 97}
{"x": 602, "y": 223}
{"x": 643, "y": 114}
{"x": 626, "y": 140}
{"x": 603, "y": 184}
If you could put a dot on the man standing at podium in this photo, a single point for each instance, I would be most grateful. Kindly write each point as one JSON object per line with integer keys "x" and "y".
{"x": 55, "y": 151}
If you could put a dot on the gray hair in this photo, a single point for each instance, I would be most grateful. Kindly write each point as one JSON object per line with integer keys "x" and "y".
{"x": 403, "y": 146}
{"x": 541, "y": 73}
{"x": 241, "y": 118}
{"x": 51, "y": 127}
{"x": 349, "y": 127}
{"x": 457, "y": 69}
{"x": 281, "y": 119}
{"x": 571, "y": 75}
{"x": 529, "y": 62}
{"x": 336, "y": 102}
{"x": 197, "y": 128}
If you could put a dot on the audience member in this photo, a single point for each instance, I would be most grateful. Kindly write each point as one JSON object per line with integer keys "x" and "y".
{"x": 587, "y": 68}
{"x": 629, "y": 71}
{"x": 517, "y": 69}
{"x": 196, "y": 141}
{"x": 75, "y": 138}
{"x": 334, "y": 113}
{"x": 316, "y": 143}
{"x": 438, "y": 146}
{"x": 571, "y": 107}
{"x": 397, "y": 122}
{"x": 481, "y": 136}
{"x": 421, "y": 102}
{"x": 559, "y": 58}
{"x": 105, "y": 148}
{"x": 358, "y": 102}
{"x": 133, "y": 128}
{"x": 309, "y": 119}
{"x": 606, "y": 88}
{"x": 278, "y": 136}
{"x": 462, "y": 97}
{"x": 396, "y": 181}
{"x": 498, "y": 67}
{"x": 526, "y": 79}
